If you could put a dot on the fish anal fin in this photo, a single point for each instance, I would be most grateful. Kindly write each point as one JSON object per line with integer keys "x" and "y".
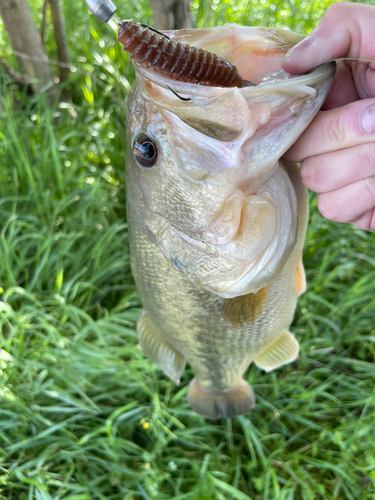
{"x": 159, "y": 350}
{"x": 281, "y": 351}
{"x": 300, "y": 278}
{"x": 227, "y": 404}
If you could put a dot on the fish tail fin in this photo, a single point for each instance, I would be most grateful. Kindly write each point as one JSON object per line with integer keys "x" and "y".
{"x": 226, "y": 404}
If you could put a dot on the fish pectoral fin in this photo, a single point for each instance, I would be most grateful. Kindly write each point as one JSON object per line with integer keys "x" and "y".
{"x": 226, "y": 404}
{"x": 159, "y": 350}
{"x": 300, "y": 278}
{"x": 281, "y": 351}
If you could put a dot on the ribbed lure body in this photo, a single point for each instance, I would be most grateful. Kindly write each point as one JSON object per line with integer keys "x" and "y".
{"x": 176, "y": 60}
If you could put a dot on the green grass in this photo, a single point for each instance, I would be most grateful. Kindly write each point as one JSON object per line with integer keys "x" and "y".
{"x": 83, "y": 414}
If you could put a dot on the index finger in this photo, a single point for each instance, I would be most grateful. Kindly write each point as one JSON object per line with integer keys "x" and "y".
{"x": 346, "y": 30}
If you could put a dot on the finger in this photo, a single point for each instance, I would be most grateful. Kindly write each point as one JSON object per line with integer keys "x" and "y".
{"x": 346, "y": 30}
{"x": 367, "y": 220}
{"x": 343, "y": 90}
{"x": 331, "y": 171}
{"x": 348, "y": 203}
{"x": 336, "y": 129}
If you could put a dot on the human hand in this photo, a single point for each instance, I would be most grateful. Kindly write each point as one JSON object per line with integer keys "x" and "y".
{"x": 337, "y": 150}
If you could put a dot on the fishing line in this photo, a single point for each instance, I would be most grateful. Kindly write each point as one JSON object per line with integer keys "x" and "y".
{"x": 177, "y": 95}
{"x": 155, "y": 30}
{"x": 350, "y": 59}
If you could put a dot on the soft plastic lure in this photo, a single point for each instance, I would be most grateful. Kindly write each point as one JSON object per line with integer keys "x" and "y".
{"x": 176, "y": 60}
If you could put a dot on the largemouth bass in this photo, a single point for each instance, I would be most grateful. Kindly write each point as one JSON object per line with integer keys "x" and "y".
{"x": 216, "y": 220}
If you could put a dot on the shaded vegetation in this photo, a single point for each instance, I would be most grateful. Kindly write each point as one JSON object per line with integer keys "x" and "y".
{"x": 83, "y": 414}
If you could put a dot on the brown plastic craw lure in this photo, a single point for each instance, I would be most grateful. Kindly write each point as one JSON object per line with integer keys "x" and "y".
{"x": 177, "y": 60}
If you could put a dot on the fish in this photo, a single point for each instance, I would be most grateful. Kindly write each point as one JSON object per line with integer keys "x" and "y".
{"x": 216, "y": 218}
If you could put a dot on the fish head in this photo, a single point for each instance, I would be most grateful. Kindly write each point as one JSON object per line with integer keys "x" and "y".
{"x": 204, "y": 175}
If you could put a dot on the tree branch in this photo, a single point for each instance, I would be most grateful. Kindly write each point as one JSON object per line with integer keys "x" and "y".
{"x": 60, "y": 38}
{"x": 44, "y": 20}
{"x": 20, "y": 78}
{"x": 171, "y": 14}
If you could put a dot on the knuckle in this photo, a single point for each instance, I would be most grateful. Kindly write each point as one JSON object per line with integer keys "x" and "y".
{"x": 335, "y": 129}
{"x": 367, "y": 188}
{"x": 327, "y": 207}
{"x": 337, "y": 9}
{"x": 366, "y": 221}
{"x": 370, "y": 154}
{"x": 312, "y": 176}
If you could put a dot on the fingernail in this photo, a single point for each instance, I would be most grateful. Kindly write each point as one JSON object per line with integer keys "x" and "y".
{"x": 298, "y": 49}
{"x": 366, "y": 120}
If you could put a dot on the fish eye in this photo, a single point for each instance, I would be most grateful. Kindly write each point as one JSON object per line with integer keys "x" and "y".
{"x": 145, "y": 151}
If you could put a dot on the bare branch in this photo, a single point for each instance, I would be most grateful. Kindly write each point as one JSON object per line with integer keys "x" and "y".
{"x": 90, "y": 74}
{"x": 53, "y": 62}
{"x": 182, "y": 15}
{"x": 171, "y": 14}
{"x": 44, "y": 20}
{"x": 20, "y": 78}
{"x": 60, "y": 38}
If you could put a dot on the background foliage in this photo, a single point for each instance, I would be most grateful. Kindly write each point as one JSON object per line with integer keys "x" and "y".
{"x": 83, "y": 414}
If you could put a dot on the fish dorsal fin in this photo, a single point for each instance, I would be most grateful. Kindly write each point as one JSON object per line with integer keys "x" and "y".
{"x": 159, "y": 350}
{"x": 281, "y": 351}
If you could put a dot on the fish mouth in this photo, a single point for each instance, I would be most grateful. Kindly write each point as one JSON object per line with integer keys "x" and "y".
{"x": 255, "y": 52}
{"x": 277, "y": 81}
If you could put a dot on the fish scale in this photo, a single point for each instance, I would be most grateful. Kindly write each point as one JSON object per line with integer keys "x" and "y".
{"x": 216, "y": 220}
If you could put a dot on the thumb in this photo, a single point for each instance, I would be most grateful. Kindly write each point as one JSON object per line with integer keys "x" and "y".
{"x": 346, "y": 30}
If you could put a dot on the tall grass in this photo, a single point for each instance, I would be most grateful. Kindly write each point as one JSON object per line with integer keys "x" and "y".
{"x": 83, "y": 414}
